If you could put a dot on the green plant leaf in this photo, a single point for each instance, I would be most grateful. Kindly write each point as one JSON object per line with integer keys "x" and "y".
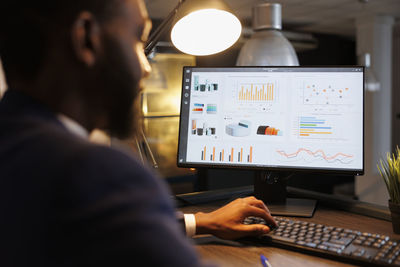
{"x": 389, "y": 169}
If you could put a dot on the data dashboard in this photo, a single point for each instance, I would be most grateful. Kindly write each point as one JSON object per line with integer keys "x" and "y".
{"x": 279, "y": 117}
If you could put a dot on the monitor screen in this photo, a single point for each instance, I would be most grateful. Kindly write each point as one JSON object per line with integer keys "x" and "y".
{"x": 273, "y": 118}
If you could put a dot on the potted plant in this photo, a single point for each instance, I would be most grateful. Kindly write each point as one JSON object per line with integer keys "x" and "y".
{"x": 390, "y": 172}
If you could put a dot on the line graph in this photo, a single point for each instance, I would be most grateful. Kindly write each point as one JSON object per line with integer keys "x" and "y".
{"x": 319, "y": 154}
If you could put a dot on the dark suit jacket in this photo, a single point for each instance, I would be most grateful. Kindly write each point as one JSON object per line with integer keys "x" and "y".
{"x": 67, "y": 202}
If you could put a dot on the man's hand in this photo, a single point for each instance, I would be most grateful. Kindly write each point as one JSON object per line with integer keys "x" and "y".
{"x": 227, "y": 222}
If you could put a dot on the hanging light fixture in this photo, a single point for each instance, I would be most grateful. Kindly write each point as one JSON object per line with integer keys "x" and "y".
{"x": 200, "y": 27}
{"x": 371, "y": 82}
{"x": 267, "y": 46}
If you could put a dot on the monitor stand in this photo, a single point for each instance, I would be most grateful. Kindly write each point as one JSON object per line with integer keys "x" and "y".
{"x": 270, "y": 186}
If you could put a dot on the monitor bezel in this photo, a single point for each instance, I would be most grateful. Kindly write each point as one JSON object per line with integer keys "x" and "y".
{"x": 272, "y": 168}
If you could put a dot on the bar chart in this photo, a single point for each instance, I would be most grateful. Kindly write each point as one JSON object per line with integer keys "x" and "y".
{"x": 256, "y": 92}
{"x": 231, "y": 155}
{"x": 314, "y": 127}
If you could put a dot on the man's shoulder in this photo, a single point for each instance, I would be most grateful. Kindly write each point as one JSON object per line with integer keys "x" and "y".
{"x": 105, "y": 158}
{"x": 44, "y": 140}
{"x": 101, "y": 169}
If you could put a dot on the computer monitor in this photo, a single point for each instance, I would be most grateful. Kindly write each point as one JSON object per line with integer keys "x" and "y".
{"x": 275, "y": 120}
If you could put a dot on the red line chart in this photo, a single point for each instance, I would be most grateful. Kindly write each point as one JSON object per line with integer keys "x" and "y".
{"x": 342, "y": 157}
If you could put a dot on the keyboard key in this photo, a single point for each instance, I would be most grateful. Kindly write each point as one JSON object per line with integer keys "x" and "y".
{"x": 381, "y": 254}
{"x": 285, "y": 239}
{"x": 352, "y": 236}
{"x": 358, "y": 242}
{"x": 341, "y": 241}
{"x": 334, "y": 237}
{"x": 318, "y": 235}
{"x": 358, "y": 253}
{"x": 329, "y": 244}
{"x": 311, "y": 245}
{"x": 367, "y": 243}
{"x": 322, "y": 247}
{"x": 316, "y": 242}
{"x": 336, "y": 250}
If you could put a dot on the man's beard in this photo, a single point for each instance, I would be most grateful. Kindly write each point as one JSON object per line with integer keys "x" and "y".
{"x": 121, "y": 90}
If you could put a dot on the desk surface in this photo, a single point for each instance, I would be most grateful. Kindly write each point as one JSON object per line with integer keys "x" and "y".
{"x": 232, "y": 253}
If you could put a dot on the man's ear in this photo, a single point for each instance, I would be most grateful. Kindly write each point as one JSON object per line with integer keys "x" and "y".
{"x": 86, "y": 40}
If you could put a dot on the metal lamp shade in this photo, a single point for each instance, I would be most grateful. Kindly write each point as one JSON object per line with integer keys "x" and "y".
{"x": 267, "y": 46}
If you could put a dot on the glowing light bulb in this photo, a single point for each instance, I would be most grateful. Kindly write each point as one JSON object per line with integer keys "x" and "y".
{"x": 206, "y": 32}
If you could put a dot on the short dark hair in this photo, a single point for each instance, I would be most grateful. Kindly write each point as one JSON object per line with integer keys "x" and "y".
{"x": 27, "y": 27}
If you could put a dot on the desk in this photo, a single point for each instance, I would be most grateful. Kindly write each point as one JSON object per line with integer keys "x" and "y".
{"x": 232, "y": 253}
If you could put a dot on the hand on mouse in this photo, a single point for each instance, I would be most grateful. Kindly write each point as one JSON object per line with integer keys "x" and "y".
{"x": 227, "y": 221}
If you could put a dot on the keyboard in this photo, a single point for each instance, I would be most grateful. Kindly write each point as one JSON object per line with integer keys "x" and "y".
{"x": 346, "y": 245}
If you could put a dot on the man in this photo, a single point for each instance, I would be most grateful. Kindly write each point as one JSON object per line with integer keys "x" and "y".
{"x": 73, "y": 66}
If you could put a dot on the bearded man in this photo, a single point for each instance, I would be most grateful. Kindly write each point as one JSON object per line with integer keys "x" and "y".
{"x": 71, "y": 67}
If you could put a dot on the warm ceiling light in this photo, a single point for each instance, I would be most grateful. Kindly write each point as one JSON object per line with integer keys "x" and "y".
{"x": 206, "y": 31}
{"x": 200, "y": 27}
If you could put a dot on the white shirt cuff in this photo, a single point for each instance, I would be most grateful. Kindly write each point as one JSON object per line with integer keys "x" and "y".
{"x": 190, "y": 224}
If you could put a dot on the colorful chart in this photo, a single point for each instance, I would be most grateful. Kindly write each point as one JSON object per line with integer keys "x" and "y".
{"x": 238, "y": 155}
{"x": 318, "y": 154}
{"x": 314, "y": 127}
{"x": 198, "y": 108}
{"x": 211, "y": 108}
{"x": 256, "y": 92}
{"x": 326, "y": 95}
